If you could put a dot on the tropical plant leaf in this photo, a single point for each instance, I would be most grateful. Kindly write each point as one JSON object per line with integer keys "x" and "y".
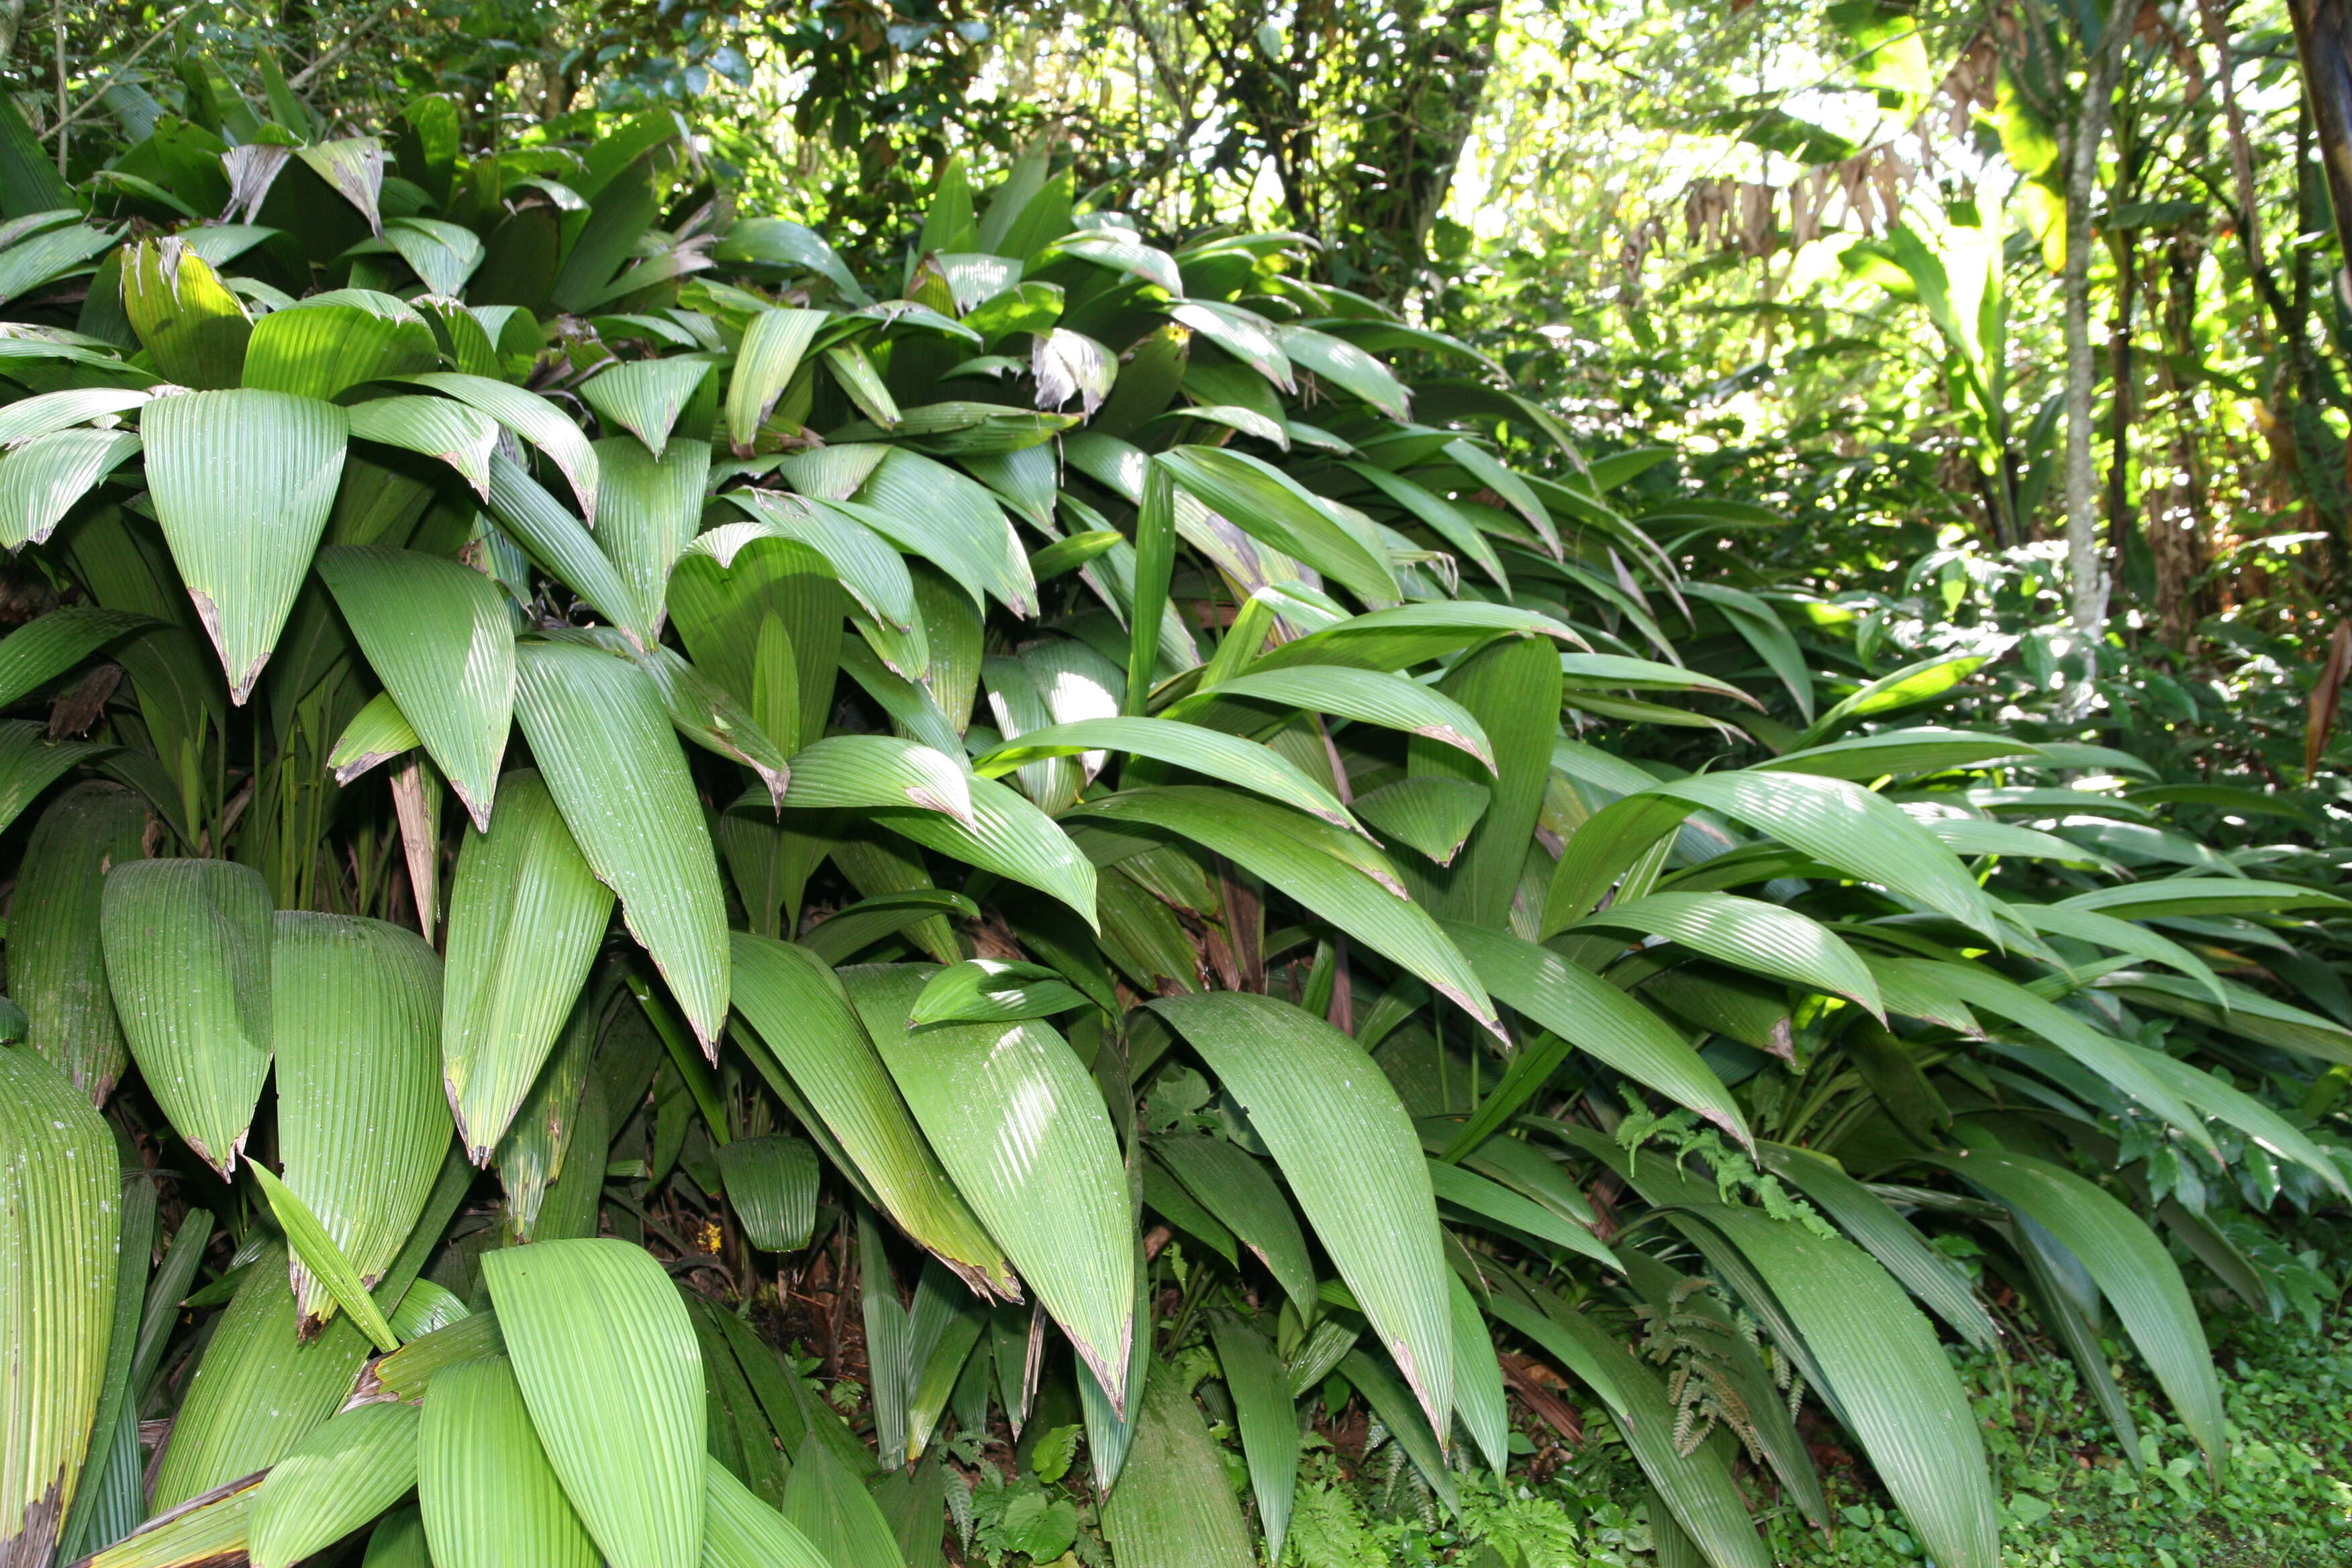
{"x": 610, "y": 1370}
{"x": 336, "y": 1480}
{"x": 1749, "y": 933}
{"x": 1351, "y": 1157}
{"x": 188, "y": 957}
{"x": 459, "y": 435}
{"x": 488, "y": 1494}
{"x": 739, "y": 1531}
{"x": 646, "y": 397}
{"x": 533, "y": 417}
{"x": 1233, "y": 1185}
{"x": 1173, "y": 1507}
{"x": 56, "y": 965}
{"x": 242, "y": 482}
{"x": 1213, "y": 754}
{"x": 1367, "y": 696}
{"x": 772, "y": 1183}
{"x": 603, "y": 744}
{"x": 990, "y": 991}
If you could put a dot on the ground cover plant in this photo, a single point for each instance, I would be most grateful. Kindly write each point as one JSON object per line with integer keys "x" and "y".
{"x": 595, "y": 792}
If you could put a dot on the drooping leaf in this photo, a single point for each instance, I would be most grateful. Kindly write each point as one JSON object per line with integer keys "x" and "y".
{"x": 188, "y": 955}
{"x": 1173, "y": 1507}
{"x": 242, "y": 483}
{"x": 772, "y": 1183}
{"x": 1351, "y": 1157}
{"x": 488, "y": 1494}
{"x": 646, "y": 397}
{"x": 610, "y": 1370}
{"x": 59, "y": 1220}
{"x": 1268, "y": 1420}
{"x": 526, "y": 913}
{"x": 440, "y": 427}
{"x": 533, "y": 419}
{"x": 1748, "y": 934}
{"x": 739, "y": 1531}
{"x": 1209, "y": 753}
{"x": 1233, "y": 1184}
{"x": 1367, "y": 696}
{"x": 338, "y": 1479}
{"x": 55, "y": 963}
{"x": 603, "y": 744}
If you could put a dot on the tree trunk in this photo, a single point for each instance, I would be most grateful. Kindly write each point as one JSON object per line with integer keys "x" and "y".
{"x": 2086, "y": 578}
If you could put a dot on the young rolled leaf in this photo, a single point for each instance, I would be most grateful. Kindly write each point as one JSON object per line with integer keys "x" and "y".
{"x": 526, "y": 914}
{"x": 362, "y": 1125}
{"x": 188, "y": 947}
{"x": 610, "y": 1370}
{"x": 1019, "y": 1124}
{"x": 438, "y": 636}
{"x": 59, "y": 1217}
{"x": 812, "y": 1033}
{"x": 242, "y": 483}
{"x": 489, "y": 1497}
{"x": 604, "y": 743}
{"x": 338, "y": 1479}
{"x": 1351, "y": 1157}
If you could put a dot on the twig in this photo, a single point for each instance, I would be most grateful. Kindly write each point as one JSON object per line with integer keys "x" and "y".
{"x": 358, "y": 29}
{"x": 99, "y": 93}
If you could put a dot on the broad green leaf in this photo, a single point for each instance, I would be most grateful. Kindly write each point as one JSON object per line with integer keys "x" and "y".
{"x": 1488, "y": 470}
{"x": 808, "y": 1031}
{"x": 187, "y": 319}
{"x": 338, "y": 1479}
{"x": 930, "y": 511}
{"x": 646, "y": 397}
{"x": 59, "y": 1219}
{"x": 322, "y": 345}
{"x": 603, "y": 744}
{"x": 772, "y": 1183}
{"x": 1334, "y": 874}
{"x": 489, "y": 1496}
{"x": 1392, "y": 1407}
{"x": 770, "y": 355}
{"x": 409, "y": 1371}
{"x": 649, "y": 509}
{"x": 442, "y": 255}
{"x": 1010, "y": 837}
{"x": 739, "y": 1531}
{"x": 861, "y": 772}
{"x": 1353, "y": 1161}
{"x": 1408, "y": 634}
{"x": 30, "y": 763}
{"x": 1920, "y": 749}
{"x": 2122, "y": 936}
{"x": 1233, "y": 1185}
{"x": 1271, "y": 507}
{"x": 188, "y": 948}
{"x": 1479, "y": 1401}
{"x": 1431, "y": 813}
{"x": 1512, "y": 687}
{"x": 824, "y": 1502}
{"x": 1368, "y": 696}
{"x": 526, "y": 914}
{"x": 57, "y": 966}
{"x": 861, "y": 560}
{"x": 2250, "y": 1014}
{"x": 242, "y": 482}
{"x": 1595, "y": 1017}
{"x": 1492, "y": 1201}
{"x": 610, "y": 1367}
{"x": 842, "y": 934}
{"x": 42, "y": 478}
{"x": 988, "y": 990}
{"x": 440, "y": 427}
{"x": 1906, "y": 688}
{"x": 356, "y": 1020}
{"x": 1749, "y": 933}
{"x": 1173, "y": 1507}
{"x": 2131, "y": 1268}
{"x": 2199, "y": 895}
{"x": 562, "y": 546}
{"x": 438, "y": 635}
{"x": 1268, "y": 1421}
{"x": 211, "y": 1532}
{"x": 399, "y": 1542}
{"x": 1020, "y": 1126}
{"x": 1877, "y": 1229}
{"x": 1210, "y": 752}
{"x": 377, "y": 733}
{"x": 533, "y": 417}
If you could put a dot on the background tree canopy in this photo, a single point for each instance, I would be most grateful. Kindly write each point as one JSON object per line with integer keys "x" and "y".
{"x": 1120, "y": 786}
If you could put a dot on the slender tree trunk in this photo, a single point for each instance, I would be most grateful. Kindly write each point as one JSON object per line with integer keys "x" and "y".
{"x": 2086, "y": 578}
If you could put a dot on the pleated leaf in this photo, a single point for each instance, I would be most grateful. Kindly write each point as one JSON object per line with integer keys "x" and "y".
{"x": 489, "y": 1497}
{"x": 646, "y": 397}
{"x": 988, "y": 990}
{"x": 824, "y": 1502}
{"x": 362, "y": 1125}
{"x": 1233, "y": 1184}
{"x": 42, "y": 480}
{"x": 57, "y": 966}
{"x": 610, "y": 1367}
{"x": 772, "y": 1183}
{"x": 1351, "y": 1157}
{"x": 1010, "y": 837}
{"x": 187, "y": 318}
{"x": 338, "y": 1479}
{"x": 212, "y": 1532}
{"x": 319, "y": 1264}
{"x": 773, "y": 344}
{"x": 1266, "y": 1419}
{"x": 438, "y": 636}
{"x": 1246, "y": 764}
{"x": 1173, "y": 1507}
{"x": 810, "y": 1032}
{"x": 2132, "y": 1271}
{"x": 604, "y": 743}
{"x": 1595, "y": 1017}
{"x": 526, "y": 914}
{"x": 188, "y": 959}
{"x": 562, "y": 546}
{"x": 1334, "y": 874}
{"x": 1432, "y": 814}
{"x": 1019, "y": 1124}
{"x": 60, "y": 1212}
{"x": 242, "y": 482}
{"x": 439, "y": 427}
{"x": 1874, "y": 1227}
{"x": 533, "y": 417}
{"x": 377, "y": 733}
{"x": 1367, "y": 696}
{"x": 739, "y": 1531}
{"x": 1751, "y": 934}
{"x": 857, "y": 771}
{"x": 649, "y": 509}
